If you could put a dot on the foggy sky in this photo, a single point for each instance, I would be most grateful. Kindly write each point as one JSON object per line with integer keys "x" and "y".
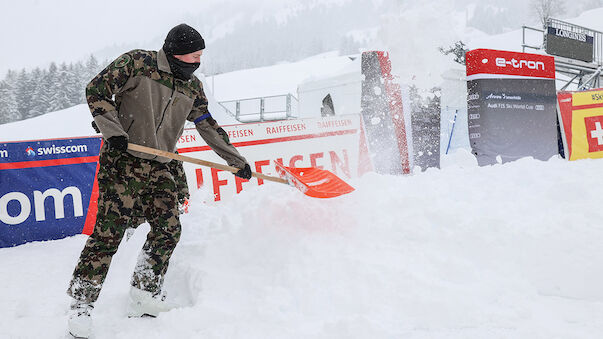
{"x": 37, "y": 32}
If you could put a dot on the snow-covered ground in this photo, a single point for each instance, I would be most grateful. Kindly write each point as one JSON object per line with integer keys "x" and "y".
{"x": 505, "y": 251}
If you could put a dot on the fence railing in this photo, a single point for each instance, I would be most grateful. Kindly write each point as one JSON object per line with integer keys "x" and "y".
{"x": 275, "y": 107}
{"x": 524, "y": 44}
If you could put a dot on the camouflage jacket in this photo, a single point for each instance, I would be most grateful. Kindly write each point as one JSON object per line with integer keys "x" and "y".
{"x": 137, "y": 96}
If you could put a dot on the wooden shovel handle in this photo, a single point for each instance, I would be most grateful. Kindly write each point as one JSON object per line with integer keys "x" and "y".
{"x": 153, "y": 151}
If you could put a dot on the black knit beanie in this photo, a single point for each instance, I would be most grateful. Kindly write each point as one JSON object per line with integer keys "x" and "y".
{"x": 183, "y": 39}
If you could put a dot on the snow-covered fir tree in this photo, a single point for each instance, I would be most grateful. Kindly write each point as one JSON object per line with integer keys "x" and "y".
{"x": 45, "y": 90}
{"x": 8, "y": 104}
{"x": 23, "y": 92}
{"x": 37, "y": 105}
{"x": 91, "y": 69}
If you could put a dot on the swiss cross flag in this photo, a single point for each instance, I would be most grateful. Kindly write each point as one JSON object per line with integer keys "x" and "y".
{"x": 594, "y": 133}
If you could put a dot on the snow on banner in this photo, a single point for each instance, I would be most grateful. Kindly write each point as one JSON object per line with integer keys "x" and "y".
{"x": 581, "y": 118}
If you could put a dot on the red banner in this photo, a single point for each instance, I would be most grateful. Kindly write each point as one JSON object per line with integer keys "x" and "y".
{"x": 513, "y": 64}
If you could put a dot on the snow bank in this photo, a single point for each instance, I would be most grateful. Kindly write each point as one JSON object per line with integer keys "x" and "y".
{"x": 68, "y": 123}
{"x": 504, "y": 251}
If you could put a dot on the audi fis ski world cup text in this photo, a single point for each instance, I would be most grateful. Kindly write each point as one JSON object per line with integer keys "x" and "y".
{"x": 502, "y": 62}
{"x": 39, "y": 199}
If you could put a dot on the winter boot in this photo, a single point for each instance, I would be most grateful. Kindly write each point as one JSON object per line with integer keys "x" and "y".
{"x": 144, "y": 303}
{"x": 80, "y": 322}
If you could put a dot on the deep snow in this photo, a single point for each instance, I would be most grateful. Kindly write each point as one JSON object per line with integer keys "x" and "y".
{"x": 504, "y": 251}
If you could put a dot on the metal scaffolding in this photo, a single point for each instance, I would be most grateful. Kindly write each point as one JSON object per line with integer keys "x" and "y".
{"x": 584, "y": 75}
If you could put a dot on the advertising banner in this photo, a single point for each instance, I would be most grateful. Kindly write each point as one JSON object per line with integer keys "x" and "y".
{"x": 383, "y": 115}
{"x": 511, "y": 105}
{"x": 581, "y": 117}
{"x": 571, "y": 42}
{"x": 47, "y": 189}
{"x": 334, "y": 143}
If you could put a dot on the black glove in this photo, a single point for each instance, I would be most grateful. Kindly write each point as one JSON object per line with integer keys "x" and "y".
{"x": 244, "y": 173}
{"x": 224, "y": 135}
{"x": 118, "y": 142}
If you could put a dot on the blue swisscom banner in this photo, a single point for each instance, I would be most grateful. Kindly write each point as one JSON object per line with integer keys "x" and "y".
{"x": 46, "y": 189}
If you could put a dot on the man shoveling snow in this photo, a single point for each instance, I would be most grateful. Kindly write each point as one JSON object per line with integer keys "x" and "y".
{"x": 143, "y": 97}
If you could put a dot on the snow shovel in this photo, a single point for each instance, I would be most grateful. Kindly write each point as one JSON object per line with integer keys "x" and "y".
{"x": 312, "y": 181}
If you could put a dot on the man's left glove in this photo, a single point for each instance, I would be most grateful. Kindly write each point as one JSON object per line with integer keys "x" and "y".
{"x": 118, "y": 142}
{"x": 244, "y": 173}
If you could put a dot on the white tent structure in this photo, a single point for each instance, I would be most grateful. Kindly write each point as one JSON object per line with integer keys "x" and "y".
{"x": 344, "y": 86}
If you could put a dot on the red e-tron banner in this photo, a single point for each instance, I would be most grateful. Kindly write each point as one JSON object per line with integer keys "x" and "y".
{"x": 511, "y": 105}
{"x": 499, "y": 64}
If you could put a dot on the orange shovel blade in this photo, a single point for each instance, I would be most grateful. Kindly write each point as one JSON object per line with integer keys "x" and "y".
{"x": 314, "y": 182}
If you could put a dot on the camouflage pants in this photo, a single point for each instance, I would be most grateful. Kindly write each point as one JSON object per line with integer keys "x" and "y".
{"x": 129, "y": 187}
{"x": 177, "y": 170}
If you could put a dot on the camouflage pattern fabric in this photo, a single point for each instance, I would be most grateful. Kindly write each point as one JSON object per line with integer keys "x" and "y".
{"x": 137, "y": 96}
{"x": 128, "y": 186}
{"x": 177, "y": 170}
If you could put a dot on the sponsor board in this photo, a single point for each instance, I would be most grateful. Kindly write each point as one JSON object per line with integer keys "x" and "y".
{"x": 47, "y": 189}
{"x": 578, "y": 36}
{"x": 333, "y": 143}
{"x": 581, "y": 115}
{"x": 573, "y": 42}
{"x": 511, "y": 105}
{"x": 494, "y": 64}
{"x": 383, "y": 116}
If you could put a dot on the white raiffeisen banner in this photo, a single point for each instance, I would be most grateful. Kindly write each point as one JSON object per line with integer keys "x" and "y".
{"x": 334, "y": 143}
